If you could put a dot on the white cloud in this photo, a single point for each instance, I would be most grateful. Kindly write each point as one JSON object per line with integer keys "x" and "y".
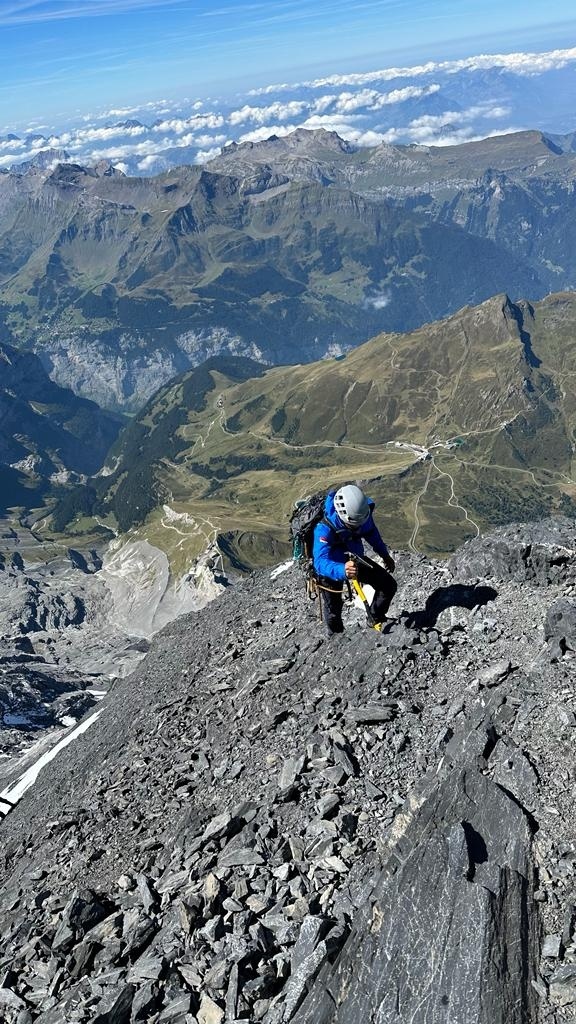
{"x": 281, "y": 111}
{"x": 209, "y": 140}
{"x": 447, "y": 128}
{"x": 345, "y": 129}
{"x": 379, "y": 300}
{"x": 87, "y": 135}
{"x": 331, "y": 122}
{"x": 12, "y": 144}
{"x": 192, "y": 140}
{"x": 516, "y": 63}
{"x": 19, "y": 152}
{"x": 149, "y": 162}
{"x": 348, "y": 102}
{"x": 158, "y": 107}
{"x": 323, "y": 103}
{"x": 22, "y": 12}
{"x": 198, "y": 122}
{"x": 118, "y": 112}
{"x": 345, "y": 102}
{"x": 481, "y": 110}
{"x": 204, "y": 155}
{"x": 266, "y": 131}
{"x": 458, "y": 138}
{"x": 148, "y": 147}
{"x": 20, "y": 158}
{"x": 451, "y": 135}
{"x": 371, "y": 99}
{"x": 409, "y": 92}
{"x": 358, "y": 135}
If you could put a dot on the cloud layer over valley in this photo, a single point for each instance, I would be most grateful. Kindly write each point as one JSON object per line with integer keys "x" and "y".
{"x": 437, "y": 103}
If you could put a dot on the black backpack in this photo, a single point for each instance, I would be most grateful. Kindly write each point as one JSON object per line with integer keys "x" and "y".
{"x": 307, "y": 513}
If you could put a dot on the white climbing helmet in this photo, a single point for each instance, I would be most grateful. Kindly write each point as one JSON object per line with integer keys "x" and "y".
{"x": 352, "y": 506}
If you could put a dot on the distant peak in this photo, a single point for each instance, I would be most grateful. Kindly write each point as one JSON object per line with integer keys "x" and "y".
{"x": 300, "y": 140}
{"x": 45, "y": 160}
{"x": 132, "y": 122}
{"x": 105, "y": 169}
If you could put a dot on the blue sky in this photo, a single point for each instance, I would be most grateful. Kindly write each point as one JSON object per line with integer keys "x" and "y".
{"x": 66, "y": 57}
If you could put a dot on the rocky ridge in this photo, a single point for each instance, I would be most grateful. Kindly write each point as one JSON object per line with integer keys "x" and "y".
{"x": 267, "y": 824}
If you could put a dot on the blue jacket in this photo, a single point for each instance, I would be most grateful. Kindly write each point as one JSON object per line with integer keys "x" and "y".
{"x": 332, "y": 542}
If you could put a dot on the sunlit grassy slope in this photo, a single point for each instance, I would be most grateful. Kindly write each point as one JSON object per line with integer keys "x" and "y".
{"x": 464, "y": 423}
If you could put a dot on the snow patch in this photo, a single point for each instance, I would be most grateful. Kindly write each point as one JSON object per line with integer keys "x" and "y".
{"x": 12, "y": 794}
{"x": 283, "y": 567}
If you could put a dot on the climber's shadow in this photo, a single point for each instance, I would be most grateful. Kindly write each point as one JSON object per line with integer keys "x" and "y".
{"x": 455, "y": 596}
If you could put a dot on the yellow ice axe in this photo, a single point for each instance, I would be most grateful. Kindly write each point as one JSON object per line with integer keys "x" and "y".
{"x": 364, "y": 599}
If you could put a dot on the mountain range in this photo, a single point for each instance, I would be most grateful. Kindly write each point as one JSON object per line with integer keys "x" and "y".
{"x": 462, "y": 424}
{"x": 281, "y": 251}
{"x": 437, "y": 103}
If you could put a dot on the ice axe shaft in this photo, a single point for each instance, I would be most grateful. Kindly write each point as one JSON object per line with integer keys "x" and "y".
{"x": 358, "y": 588}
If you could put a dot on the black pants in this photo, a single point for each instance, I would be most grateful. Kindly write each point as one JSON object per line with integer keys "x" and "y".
{"x": 375, "y": 576}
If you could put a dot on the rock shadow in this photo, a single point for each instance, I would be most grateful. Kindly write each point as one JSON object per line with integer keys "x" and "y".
{"x": 456, "y": 596}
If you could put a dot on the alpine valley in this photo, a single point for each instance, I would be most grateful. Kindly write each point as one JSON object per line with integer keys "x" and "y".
{"x": 461, "y": 424}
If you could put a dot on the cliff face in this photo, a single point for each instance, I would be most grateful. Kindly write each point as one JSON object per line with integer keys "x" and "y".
{"x": 46, "y": 431}
{"x": 267, "y": 824}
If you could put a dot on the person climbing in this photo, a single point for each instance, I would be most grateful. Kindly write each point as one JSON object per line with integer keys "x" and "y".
{"x": 347, "y": 522}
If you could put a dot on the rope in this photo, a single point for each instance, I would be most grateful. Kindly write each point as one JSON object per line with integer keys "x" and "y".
{"x": 329, "y": 590}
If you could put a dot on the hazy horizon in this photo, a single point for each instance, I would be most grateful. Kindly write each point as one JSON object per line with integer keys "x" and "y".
{"x": 64, "y": 60}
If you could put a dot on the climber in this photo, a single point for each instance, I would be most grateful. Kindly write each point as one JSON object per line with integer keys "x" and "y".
{"x": 347, "y": 522}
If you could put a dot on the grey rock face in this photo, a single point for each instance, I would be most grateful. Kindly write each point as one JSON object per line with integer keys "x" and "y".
{"x": 125, "y": 372}
{"x": 445, "y": 934}
{"x": 70, "y": 625}
{"x": 560, "y": 628}
{"x": 537, "y": 552}
{"x": 46, "y": 429}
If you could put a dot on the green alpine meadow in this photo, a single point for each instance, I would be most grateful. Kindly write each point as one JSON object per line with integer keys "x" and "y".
{"x": 463, "y": 424}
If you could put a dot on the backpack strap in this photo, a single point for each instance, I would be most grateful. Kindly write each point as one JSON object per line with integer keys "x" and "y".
{"x": 309, "y": 542}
